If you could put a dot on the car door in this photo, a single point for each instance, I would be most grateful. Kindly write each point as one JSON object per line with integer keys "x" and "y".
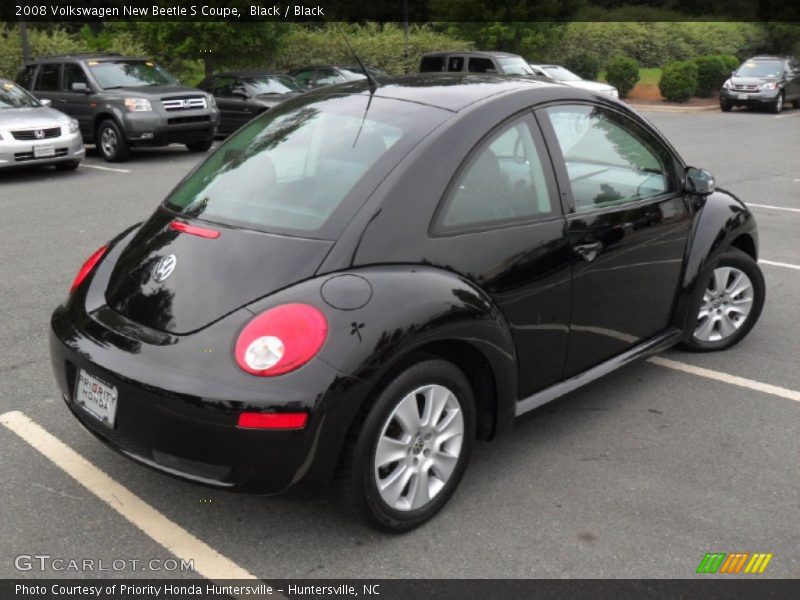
{"x": 792, "y": 75}
{"x": 74, "y": 101}
{"x": 501, "y": 224}
{"x": 234, "y": 109}
{"x": 628, "y": 227}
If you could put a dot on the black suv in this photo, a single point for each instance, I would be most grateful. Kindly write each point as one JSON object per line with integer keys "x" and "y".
{"x": 122, "y": 101}
{"x": 501, "y": 63}
{"x": 764, "y": 81}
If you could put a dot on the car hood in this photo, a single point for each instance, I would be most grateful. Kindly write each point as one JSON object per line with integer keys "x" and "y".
{"x": 211, "y": 277}
{"x": 24, "y": 118}
{"x": 594, "y": 86}
{"x": 752, "y": 80}
{"x": 156, "y": 91}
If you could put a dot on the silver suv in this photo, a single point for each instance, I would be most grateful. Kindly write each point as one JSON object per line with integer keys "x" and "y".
{"x": 121, "y": 102}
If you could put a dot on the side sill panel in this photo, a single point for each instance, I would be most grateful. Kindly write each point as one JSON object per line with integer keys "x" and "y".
{"x": 652, "y": 346}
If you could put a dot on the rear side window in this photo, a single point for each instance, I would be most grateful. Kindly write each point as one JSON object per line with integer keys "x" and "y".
{"x": 25, "y": 77}
{"x": 610, "y": 159}
{"x": 504, "y": 181}
{"x": 431, "y": 64}
{"x": 48, "y": 78}
{"x": 304, "y": 77}
{"x": 296, "y": 170}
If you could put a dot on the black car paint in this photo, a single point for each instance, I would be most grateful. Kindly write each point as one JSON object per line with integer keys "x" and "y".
{"x": 494, "y": 301}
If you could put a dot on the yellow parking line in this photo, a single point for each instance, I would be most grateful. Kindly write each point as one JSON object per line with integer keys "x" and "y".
{"x": 207, "y": 562}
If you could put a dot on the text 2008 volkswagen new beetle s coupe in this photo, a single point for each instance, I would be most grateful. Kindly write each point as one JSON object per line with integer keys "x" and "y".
{"x": 365, "y": 280}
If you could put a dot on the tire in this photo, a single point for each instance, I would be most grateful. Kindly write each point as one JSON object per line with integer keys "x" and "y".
{"x": 110, "y": 142}
{"x": 200, "y": 146}
{"x": 725, "y": 106}
{"x": 69, "y": 165}
{"x": 796, "y": 103}
{"x": 777, "y": 106}
{"x": 429, "y": 383}
{"x": 721, "y": 323}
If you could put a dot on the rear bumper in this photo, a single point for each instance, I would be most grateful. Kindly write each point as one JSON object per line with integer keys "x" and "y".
{"x": 165, "y": 421}
{"x": 19, "y": 153}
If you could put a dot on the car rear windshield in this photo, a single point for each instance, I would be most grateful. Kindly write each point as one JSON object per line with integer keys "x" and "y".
{"x": 305, "y": 168}
{"x": 560, "y": 73}
{"x": 13, "y": 96}
{"x": 761, "y": 68}
{"x": 112, "y": 74}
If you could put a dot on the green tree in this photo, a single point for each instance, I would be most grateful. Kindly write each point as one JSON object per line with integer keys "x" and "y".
{"x": 623, "y": 73}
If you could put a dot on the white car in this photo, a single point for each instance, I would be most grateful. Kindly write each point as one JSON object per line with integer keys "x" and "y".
{"x": 32, "y": 133}
{"x": 567, "y": 77}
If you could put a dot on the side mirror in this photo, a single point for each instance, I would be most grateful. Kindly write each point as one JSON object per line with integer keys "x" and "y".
{"x": 45, "y": 102}
{"x": 79, "y": 86}
{"x": 699, "y": 182}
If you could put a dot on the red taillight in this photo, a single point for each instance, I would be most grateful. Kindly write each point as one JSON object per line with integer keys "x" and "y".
{"x": 203, "y": 232}
{"x": 253, "y": 420}
{"x": 87, "y": 267}
{"x": 281, "y": 339}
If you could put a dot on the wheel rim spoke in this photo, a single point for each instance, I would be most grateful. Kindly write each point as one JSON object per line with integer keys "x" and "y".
{"x": 419, "y": 447}
{"x": 726, "y": 305}
{"x": 721, "y": 276}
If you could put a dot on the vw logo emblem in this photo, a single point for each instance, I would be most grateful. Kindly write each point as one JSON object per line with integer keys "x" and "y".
{"x": 164, "y": 267}
{"x": 38, "y": 134}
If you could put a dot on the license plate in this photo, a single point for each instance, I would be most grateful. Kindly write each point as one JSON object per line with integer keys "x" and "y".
{"x": 96, "y": 397}
{"x": 43, "y": 150}
{"x": 741, "y": 96}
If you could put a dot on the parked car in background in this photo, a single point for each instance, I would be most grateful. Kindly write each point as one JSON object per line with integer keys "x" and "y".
{"x": 501, "y": 63}
{"x": 33, "y": 133}
{"x": 241, "y": 95}
{"x": 121, "y": 102}
{"x": 763, "y": 81}
{"x": 567, "y": 77}
{"x": 371, "y": 316}
{"x": 320, "y": 76}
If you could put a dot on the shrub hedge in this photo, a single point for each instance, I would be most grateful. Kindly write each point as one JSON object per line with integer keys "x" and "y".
{"x": 623, "y": 73}
{"x": 678, "y": 80}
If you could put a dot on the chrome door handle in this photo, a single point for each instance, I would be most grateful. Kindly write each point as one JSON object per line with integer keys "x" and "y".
{"x": 588, "y": 252}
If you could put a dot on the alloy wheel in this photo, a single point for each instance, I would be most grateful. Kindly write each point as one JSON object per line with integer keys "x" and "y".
{"x": 726, "y": 305}
{"x": 419, "y": 447}
{"x": 108, "y": 141}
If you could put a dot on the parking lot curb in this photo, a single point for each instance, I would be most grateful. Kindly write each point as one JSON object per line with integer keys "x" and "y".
{"x": 673, "y": 109}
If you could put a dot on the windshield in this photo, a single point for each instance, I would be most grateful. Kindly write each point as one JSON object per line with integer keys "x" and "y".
{"x": 760, "y": 69}
{"x": 301, "y": 169}
{"x": 272, "y": 84}
{"x": 514, "y": 65}
{"x": 13, "y": 96}
{"x": 560, "y": 73}
{"x": 112, "y": 74}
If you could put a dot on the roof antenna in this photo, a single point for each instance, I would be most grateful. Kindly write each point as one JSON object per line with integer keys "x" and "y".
{"x": 371, "y": 81}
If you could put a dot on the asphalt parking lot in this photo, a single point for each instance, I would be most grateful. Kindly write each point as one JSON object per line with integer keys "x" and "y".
{"x": 637, "y": 475}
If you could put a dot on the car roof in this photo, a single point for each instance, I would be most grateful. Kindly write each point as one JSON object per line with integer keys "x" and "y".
{"x": 450, "y": 91}
{"x": 247, "y": 73}
{"x": 80, "y": 56}
{"x": 490, "y": 53}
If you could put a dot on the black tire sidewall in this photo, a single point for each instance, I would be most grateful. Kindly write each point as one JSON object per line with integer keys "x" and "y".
{"x": 739, "y": 260}
{"x": 372, "y": 506}
{"x": 122, "y": 145}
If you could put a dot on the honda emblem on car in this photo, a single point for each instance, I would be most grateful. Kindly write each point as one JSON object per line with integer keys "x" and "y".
{"x": 38, "y": 134}
{"x": 164, "y": 267}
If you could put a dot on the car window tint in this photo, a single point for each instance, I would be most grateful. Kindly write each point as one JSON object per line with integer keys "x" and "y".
{"x": 610, "y": 159}
{"x": 48, "y": 78}
{"x": 481, "y": 65}
{"x": 328, "y": 77}
{"x": 503, "y": 181}
{"x": 73, "y": 73}
{"x": 25, "y": 77}
{"x": 294, "y": 169}
{"x": 455, "y": 63}
{"x": 304, "y": 77}
{"x": 223, "y": 86}
{"x": 431, "y": 64}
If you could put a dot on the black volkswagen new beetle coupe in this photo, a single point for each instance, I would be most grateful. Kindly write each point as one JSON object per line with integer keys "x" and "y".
{"x": 363, "y": 281}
